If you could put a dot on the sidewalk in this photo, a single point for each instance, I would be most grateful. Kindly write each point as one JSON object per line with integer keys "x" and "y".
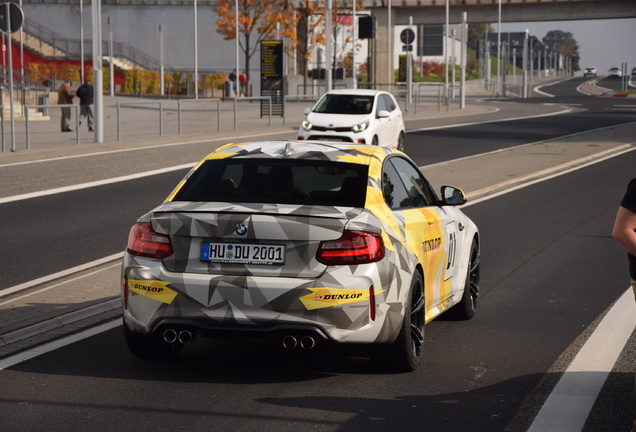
{"x": 132, "y": 121}
{"x": 80, "y": 298}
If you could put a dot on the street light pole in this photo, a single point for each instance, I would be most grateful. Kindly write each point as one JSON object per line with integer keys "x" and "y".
{"x": 81, "y": 2}
{"x": 161, "y": 78}
{"x": 111, "y": 68}
{"x": 21, "y": 46}
{"x": 447, "y": 102}
{"x": 96, "y": 6}
{"x": 463, "y": 31}
{"x": 236, "y": 7}
{"x": 353, "y": 43}
{"x": 329, "y": 41}
{"x": 196, "y": 53}
{"x": 499, "y": 52}
{"x": 389, "y": 50}
{"x": 525, "y": 65}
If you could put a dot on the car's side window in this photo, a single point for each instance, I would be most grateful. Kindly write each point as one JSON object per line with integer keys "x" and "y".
{"x": 395, "y": 194}
{"x": 381, "y": 104}
{"x": 390, "y": 104}
{"x": 419, "y": 190}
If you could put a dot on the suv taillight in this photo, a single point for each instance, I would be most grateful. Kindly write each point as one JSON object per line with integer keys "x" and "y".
{"x": 143, "y": 241}
{"x": 354, "y": 247}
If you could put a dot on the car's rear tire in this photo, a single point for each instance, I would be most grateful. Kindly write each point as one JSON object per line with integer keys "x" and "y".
{"x": 150, "y": 345}
{"x": 405, "y": 354}
{"x": 400, "y": 143}
{"x": 467, "y": 307}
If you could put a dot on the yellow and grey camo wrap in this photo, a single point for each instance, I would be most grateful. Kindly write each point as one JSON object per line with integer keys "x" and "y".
{"x": 303, "y": 291}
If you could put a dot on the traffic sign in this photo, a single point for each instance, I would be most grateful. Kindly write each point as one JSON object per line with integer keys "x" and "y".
{"x": 407, "y": 36}
{"x": 15, "y": 16}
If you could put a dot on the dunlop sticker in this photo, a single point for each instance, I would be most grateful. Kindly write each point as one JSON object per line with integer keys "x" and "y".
{"x": 156, "y": 290}
{"x": 329, "y": 297}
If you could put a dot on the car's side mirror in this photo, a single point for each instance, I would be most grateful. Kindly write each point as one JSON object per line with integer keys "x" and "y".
{"x": 383, "y": 114}
{"x": 453, "y": 196}
{"x": 307, "y": 111}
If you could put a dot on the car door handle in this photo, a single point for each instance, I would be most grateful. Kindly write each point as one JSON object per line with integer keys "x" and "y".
{"x": 430, "y": 221}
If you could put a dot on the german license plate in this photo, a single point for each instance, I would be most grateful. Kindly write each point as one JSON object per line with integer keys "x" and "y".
{"x": 243, "y": 253}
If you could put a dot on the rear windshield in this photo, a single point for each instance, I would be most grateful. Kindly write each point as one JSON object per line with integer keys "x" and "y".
{"x": 277, "y": 182}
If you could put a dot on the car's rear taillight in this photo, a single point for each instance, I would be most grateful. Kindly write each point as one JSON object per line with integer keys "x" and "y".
{"x": 354, "y": 247}
{"x": 143, "y": 241}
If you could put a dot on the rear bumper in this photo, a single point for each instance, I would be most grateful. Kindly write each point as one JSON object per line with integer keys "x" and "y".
{"x": 334, "y": 308}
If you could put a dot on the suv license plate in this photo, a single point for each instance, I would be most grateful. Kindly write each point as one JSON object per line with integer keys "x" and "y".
{"x": 243, "y": 253}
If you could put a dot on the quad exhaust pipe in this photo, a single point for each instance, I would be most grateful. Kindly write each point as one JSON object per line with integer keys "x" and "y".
{"x": 172, "y": 336}
{"x": 291, "y": 342}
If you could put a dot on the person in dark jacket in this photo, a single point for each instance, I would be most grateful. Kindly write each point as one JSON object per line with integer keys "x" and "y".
{"x": 85, "y": 95}
{"x": 624, "y": 232}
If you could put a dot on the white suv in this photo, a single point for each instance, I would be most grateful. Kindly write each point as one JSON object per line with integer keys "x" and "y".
{"x": 357, "y": 116}
{"x": 615, "y": 72}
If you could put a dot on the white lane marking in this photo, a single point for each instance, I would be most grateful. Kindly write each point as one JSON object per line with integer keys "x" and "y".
{"x": 571, "y": 401}
{"x": 150, "y": 147}
{"x": 501, "y": 150}
{"x": 35, "y": 282}
{"x": 565, "y": 111}
{"x": 57, "y": 344}
{"x": 575, "y": 393}
{"x": 93, "y": 183}
{"x": 61, "y": 274}
{"x": 190, "y": 165}
{"x": 547, "y": 177}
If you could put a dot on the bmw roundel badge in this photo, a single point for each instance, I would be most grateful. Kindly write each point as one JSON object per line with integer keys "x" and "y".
{"x": 241, "y": 229}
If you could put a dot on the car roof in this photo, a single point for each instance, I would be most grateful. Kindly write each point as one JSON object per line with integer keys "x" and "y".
{"x": 361, "y": 92}
{"x": 316, "y": 150}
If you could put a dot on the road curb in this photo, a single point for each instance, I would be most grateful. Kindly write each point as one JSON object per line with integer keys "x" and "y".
{"x": 483, "y": 192}
{"x": 619, "y": 95}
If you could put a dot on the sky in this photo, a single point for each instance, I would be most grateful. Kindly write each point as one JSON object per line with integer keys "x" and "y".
{"x": 602, "y": 43}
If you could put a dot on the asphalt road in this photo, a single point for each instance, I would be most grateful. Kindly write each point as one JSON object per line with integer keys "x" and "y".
{"x": 549, "y": 271}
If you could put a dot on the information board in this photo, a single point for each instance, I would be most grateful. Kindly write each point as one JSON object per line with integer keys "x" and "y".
{"x": 272, "y": 76}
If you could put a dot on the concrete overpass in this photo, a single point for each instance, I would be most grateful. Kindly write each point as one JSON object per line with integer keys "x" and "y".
{"x": 485, "y": 11}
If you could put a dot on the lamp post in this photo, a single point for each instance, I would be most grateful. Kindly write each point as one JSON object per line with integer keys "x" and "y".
{"x": 236, "y": 7}
{"x": 447, "y": 102}
{"x": 525, "y": 65}
{"x": 464, "y": 35}
{"x": 389, "y": 50}
{"x": 96, "y": 6}
{"x": 329, "y": 41}
{"x": 353, "y": 43}
{"x": 499, "y": 51}
{"x": 196, "y": 53}
{"x": 111, "y": 68}
{"x": 161, "y": 78}
{"x": 21, "y": 46}
{"x": 81, "y": 3}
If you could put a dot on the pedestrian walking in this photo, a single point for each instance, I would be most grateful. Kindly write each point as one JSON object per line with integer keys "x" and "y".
{"x": 65, "y": 97}
{"x": 85, "y": 95}
{"x": 243, "y": 84}
{"x": 232, "y": 79}
{"x": 625, "y": 233}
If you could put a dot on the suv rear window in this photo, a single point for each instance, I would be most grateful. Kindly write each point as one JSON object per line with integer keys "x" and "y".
{"x": 304, "y": 182}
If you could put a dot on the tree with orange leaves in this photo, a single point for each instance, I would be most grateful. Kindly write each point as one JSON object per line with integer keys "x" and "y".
{"x": 310, "y": 33}
{"x": 311, "y": 28}
{"x": 257, "y": 21}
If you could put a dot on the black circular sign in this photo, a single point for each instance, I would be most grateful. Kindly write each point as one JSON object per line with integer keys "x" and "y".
{"x": 407, "y": 36}
{"x": 15, "y": 15}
